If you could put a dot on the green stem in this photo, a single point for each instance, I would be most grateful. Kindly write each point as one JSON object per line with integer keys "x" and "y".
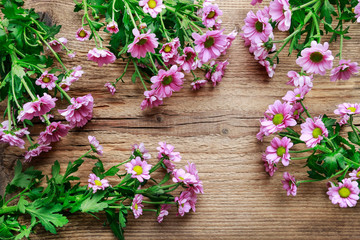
{"x": 85, "y": 154}
{"x": 7, "y": 210}
{"x": 138, "y": 72}
{"x": 16, "y": 196}
{"x": 341, "y": 44}
{"x": 154, "y": 168}
{"x": 9, "y": 112}
{"x": 353, "y": 127}
{"x": 163, "y": 26}
{"x": 304, "y": 5}
{"x": 170, "y": 186}
{"x": 302, "y": 151}
{"x": 28, "y": 89}
{"x": 299, "y": 158}
{"x": 68, "y": 98}
{"x": 286, "y": 41}
{"x": 316, "y": 23}
{"x": 330, "y": 143}
{"x": 306, "y": 111}
{"x": 129, "y": 11}
{"x": 352, "y": 162}
{"x": 153, "y": 63}
{"x": 292, "y": 137}
{"x": 316, "y": 180}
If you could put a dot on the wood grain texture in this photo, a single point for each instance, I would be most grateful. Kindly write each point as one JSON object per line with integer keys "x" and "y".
{"x": 215, "y": 128}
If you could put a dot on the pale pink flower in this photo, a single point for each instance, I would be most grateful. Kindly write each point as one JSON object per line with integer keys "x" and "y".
{"x": 187, "y": 61}
{"x": 73, "y": 75}
{"x": 344, "y": 71}
{"x": 65, "y": 84}
{"x": 151, "y": 100}
{"x": 170, "y": 49}
{"x": 355, "y": 174}
{"x": 111, "y": 88}
{"x": 112, "y": 27}
{"x": 179, "y": 175}
{"x": 346, "y": 194}
{"x": 80, "y": 111}
{"x": 313, "y": 131}
{"x": 316, "y": 59}
{"x": 348, "y": 108}
{"x": 167, "y": 82}
{"x": 186, "y": 201}
{"x": 96, "y": 183}
{"x": 261, "y": 50}
{"x": 95, "y": 143}
{"x": 229, "y": 39}
{"x": 12, "y": 140}
{"x": 216, "y": 75}
{"x": 289, "y": 184}
{"x": 278, "y": 117}
{"x": 142, "y": 44}
{"x": 143, "y": 25}
{"x": 153, "y": 7}
{"x": 296, "y": 95}
{"x": 136, "y": 205}
{"x": 299, "y": 80}
{"x": 53, "y": 133}
{"x": 167, "y": 151}
{"x": 279, "y": 150}
{"x": 197, "y": 186}
{"x": 344, "y": 119}
{"x": 254, "y": 2}
{"x": 139, "y": 149}
{"x": 37, "y": 108}
{"x": 198, "y": 84}
{"x": 46, "y": 80}
{"x": 270, "y": 167}
{"x": 82, "y": 34}
{"x": 21, "y": 132}
{"x": 257, "y": 27}
{"x": 35, "y": 151}
{"x": 57, "y": 45}
{"x": 163, "y": 212}
{"x": 270, "y": 68}
{"x": 357, "y": 12}
{"x": 280, "y": 12}
{"x": 210, "y": 13}
{"x": 210, "y": 45}
{"x": 138, "y": 169}
{"x": 296, "y": 110}
{"x": 101, "y": 56}
{"x": 71, "y": 54}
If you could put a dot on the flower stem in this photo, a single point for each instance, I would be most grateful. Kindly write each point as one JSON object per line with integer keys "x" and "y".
{"x": 306, "y": 111}
{"x": 158, "y": 203}
{"x": 304, "y": 5}
{"x": 353, "y": 127}
{"x": 68, "y": 98}
{"x": 301, "y": 151}
{"x": 163, "y": 26}
{"x": 154, "y": 168}
{"x": 139, "y": 74}
{"x": 299, "y": 158}
{"x": 7, "y": 210}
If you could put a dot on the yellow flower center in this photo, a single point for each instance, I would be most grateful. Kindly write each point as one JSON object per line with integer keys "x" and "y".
{"x": 317, "y": 132}
{"x": 358, "y": 174}
{"x": 352, "y": 109}
{"x": 152, "y": 4}
{"x": 280, "y": 151}
{"x": 82, "y": 33}
{"x": 167, "y": 49}
{"x": 138, "y": 170}
{"x": 136, "y": 206}
{"x": 211, "y": 15}
{"x": 181, "y": 178}
{"x": 298, "y": 95}
{"x": 46, "y": 79}
{"x": 344, "y": 192}
{"x": 278, "y": 118}
{"x": 316, "y": 57}
{"x": 98, "y": 183}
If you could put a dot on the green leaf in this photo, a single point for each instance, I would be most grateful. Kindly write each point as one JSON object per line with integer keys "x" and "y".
{"x": 326, "y": 10}
{"x": 5, "y": 231}
{"x": 93, "y": 204}
{"x": 111, "y": 172}
{"x": 353, "y": 138}
{"x": 23, "y": 179}
{"x": 133, "y": 77}
{"x": 22, "y": 204}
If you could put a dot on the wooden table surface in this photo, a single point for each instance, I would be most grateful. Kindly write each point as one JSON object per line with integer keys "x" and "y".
{"x": 215, "y": 128}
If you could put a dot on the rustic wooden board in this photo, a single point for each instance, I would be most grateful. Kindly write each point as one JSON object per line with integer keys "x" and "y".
{"x": 215, "y": 128}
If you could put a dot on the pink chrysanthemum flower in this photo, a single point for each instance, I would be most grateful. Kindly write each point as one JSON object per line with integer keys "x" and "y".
{"x": 355, "y": 174}
{"x": 187, "y": 61}
{"x": 73, "y": 75}
{"x": 163, "y": 212}
{"x": 96, "y": 183}
{"x": 210, "y": 13}
{"x": 357, "y": 12}
{"x": 316, "y": 59}
{"x": 142, "y": 44}
{"x": 46, "y": 80}
{"x": 289, "y": 184}
{"x": 348, "y": 108}
{"x": 186, "y": 201}
{"x": 136, "y": 205}
{"x": 254, "y": 2}
{"x": 280, "y": 12}
{"x": 139, "y": 169}
{"x": 111, "y": 88}
{"x": 57, "y": 45}
{"x": 257, "y": 27}
{"x": 197, "y": 186}
{"x": 140, "y": 148}
{"x": 346, "y": 194}
{"x": 344, "y": 71}
{"x": 167, "y": 82}
{"x": 313, "y": 131}
{"x": 298, "y": 80}
{"x": 112, "y": 27}
{"x": 12, "y": 140}
{"x": 229, "y": 39}
{"x": 279, "y": 150}
{"x": 170, "y": 49}
{"x": 153, "y": 7}
{"x": 166, "y": 151}
{"x": 270, "y": 68}
{"x": 296, "y": 95}
{"x": 35, "y": 151}
{"x": 261, "y": 50}
{"x": 278, "y": 117}
{"x": 216, "y": 75}
{"x": 53, "y": 133}
{"x": 95, "y": 143}
{"x": 82, "y": 34}
{"x": 80, "y": 111}
{"x": 71, "y": 54}
{"x": 65, "y": 84}
{"x": 270, "y": 167}
{"x": 37, "y": 108}
{"x": 344, "y": 119}
{"x": 151, "y": 100}
{"x": 210, "y": 45}
{"x": 296, "y": 110}
{"x": 101, "y": 56}
{"x": 179, "y": 175}
{"x": 196, "y": 85}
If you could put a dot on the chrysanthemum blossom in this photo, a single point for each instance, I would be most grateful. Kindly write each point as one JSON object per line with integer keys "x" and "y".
{"x": 112, "y": 27}
{"x": 136, "y": 205}
{"x": 12, "y": 139}
{"x": 164, "y": 211}
{"x": 36, "y": 151}
{"x": 316, "y": 59}
{"x": 280, "y": 12}
{"x": 257, "y": 27}
{"x": 313, "y": 131}
{"x": 110, "y": 87}
{"x": 254, "y": 2}
{"x": 270, "y": 167}
{"x": 299, "y": 80}
{"x": 53, "y": 133}
{"x": 167, "y": 151}
{"x": 96, "y": 183}
{"x": 153, "y": 7}
{"x": 210, "y": 13}
{"x": 180, "y": 175}
{"x": 348, "y": 108}
{"x": 82, "y": 34}
{"x": 346, "y": 194}
{"x": 101, "y": 56}
{"x": 210, "y": 45}
{"x": 196, "y": 85}
{"x": 197, "y": 186}
{"x": 170, "y": 49}
{"x": 187, "y": 61}
{"x": 270, "y": 67}
{"x": 216, "y": 75}
{"x": 261, "y": 50}
{"x": 278, "y": 117}
{"x": 80, "y": 111}
{"x": 142, "y": 44}
{"x": 289, "y": 184}
{"x": 355, "y": 174}
{"x": 167, "y": 82}
{"x": 57, "y": 45}
{"x": 186, "y": 201}
{"x": 46, "y": 80}
{"x": 151, "y": 100}
{"x": 37, "y": 108}
{"x": 140, "y": 149}
{"x": 279, "y": 150}
{"x": 296, "y": 95}
{"x": 229, "y": 40}
{"x": 344, "y": 71}
{"x": 138, "y": 169}
{"x": 296, "y": 110}
{"x": 95, "y": 143}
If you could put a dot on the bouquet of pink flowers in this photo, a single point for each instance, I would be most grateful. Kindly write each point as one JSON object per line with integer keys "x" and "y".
{"x": 136, "y": 192}
{"x": 161, "y": 39}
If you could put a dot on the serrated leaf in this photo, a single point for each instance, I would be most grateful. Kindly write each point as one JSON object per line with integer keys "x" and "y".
{"x": 93, "y": 204}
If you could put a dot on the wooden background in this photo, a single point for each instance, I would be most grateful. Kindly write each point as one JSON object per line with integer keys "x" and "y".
{"x": 215, "y": 128}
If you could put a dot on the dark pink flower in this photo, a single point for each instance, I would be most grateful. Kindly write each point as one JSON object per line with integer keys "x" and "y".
{"x": 82, "y": 34}
{"x": 142, "y": 44}
{"x": 170, "y": 49}
{"x": 163, "y": 212}
{"x": 46, "y": 80}
{"x": 187, "y": 61}
{"x": 210, "y": 13}
{"x": 167, "y": 82}
{"x": 101, "y": 56}
{"x": 57, "y": 45}
{"x": 344, "y": 71}
{"x": 289, "y": 184}
{"x": 313, "y": 131}
{"x": 12, "y": 139}
{"x": 37, "y": 108}
{"x": 111, "y": 88}
{"x": 216, "y": 74}
{"x": 112, "y": 27}
{"x": 257, "y": 27}
{"x": 196, "y": 85}
{"x": 53, "y": 133}
{"x": 210, "y": 45}
{"x": 35, "y": 151}
{"x": 151, "y": 100}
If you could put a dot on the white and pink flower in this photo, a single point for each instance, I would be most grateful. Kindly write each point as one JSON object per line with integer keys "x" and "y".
{"x": 346, "y": 194}
{"x": 313, "y": 131}
{"x": 138, "y": 169}
{"x": 153, "y": 7}
{"x": 344, "y": 71}
{"x": 279, "y": 150}
{"x": 167, "y": 82}
{"x": 46, "y": 80}
{"x": 95, "y": 183}
{"x": 101, "y": 56}
{"x": 142, "y": 44}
